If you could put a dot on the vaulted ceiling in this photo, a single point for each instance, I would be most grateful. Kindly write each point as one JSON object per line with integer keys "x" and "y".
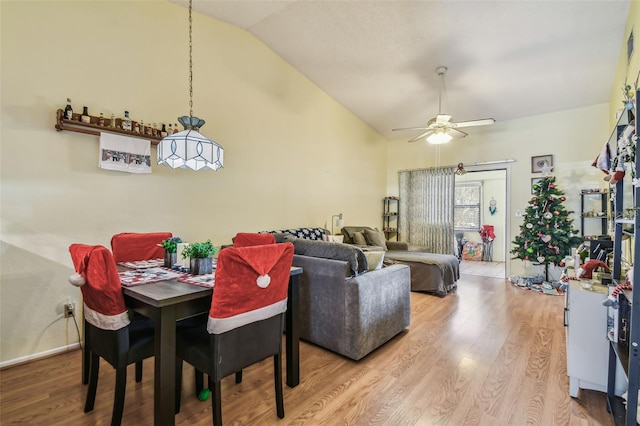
{"x": 506, "y": 59}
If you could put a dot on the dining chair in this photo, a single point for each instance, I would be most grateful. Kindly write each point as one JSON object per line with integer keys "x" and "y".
{"x": 132, "y": 246}
{"x": 109, "y": 333}
{"x": 245, "y": 323}
{"x": 246, "y": 239}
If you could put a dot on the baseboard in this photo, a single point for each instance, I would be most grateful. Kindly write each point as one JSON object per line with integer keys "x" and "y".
{"x": 40, "y": 355}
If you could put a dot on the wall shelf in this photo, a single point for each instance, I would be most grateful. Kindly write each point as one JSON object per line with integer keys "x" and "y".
{"x": 93, "y": 128}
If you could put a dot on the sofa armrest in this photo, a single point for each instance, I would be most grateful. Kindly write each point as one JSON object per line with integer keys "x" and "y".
{"x": 351, "y": 316}
{"x": 379, "y": 308}
{"x": 397, "y": 245}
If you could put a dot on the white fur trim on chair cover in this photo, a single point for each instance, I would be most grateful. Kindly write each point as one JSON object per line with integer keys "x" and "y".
{"x": 222, "y": 325}
{"x": 106, "y": 322}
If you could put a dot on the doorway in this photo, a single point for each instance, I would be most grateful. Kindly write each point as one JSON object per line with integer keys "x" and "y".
{"x": 488, "y": 256}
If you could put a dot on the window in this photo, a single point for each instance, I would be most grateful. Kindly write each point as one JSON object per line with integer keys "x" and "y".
{"x": 467, "y": 208}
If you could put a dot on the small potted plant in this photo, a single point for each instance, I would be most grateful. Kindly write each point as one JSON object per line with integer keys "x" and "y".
{"x": 170, "y": 251}
{"x": 200, "y": 257}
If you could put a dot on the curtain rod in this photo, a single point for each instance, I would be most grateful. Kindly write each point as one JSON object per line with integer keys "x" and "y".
{"x": 481, "y": 163}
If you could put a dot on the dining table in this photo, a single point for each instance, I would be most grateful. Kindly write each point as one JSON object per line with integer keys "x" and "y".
{"x": 167, "y": 302}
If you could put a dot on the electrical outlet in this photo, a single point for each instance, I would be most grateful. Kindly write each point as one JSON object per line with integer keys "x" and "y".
{"x": 69, "y": 309}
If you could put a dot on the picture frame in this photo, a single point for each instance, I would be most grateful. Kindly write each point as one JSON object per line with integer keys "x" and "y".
{"x": 533, "y": 182}
{"x": 538, "y": 162}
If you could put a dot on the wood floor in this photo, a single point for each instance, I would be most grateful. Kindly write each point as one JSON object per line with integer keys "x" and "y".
{"x": 488, "y": 354}
{"x": 483, "y": 269}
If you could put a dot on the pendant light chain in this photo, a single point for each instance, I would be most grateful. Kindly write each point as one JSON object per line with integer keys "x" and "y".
{"x": 190, "y": 63}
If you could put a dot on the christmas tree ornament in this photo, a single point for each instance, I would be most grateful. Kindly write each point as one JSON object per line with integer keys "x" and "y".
{"x": 546, "y": 238}
{"x": 540, "y": 259}
{"x": 529, "y": 225}
{"x": 548, "y": 215}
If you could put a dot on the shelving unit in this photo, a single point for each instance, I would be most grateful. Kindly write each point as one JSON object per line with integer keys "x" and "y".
{"x": 93, "y": 128}
{"x": 600, "y": 198}
{"x": 390, "y": 218}
{"x": 629, "y": 356}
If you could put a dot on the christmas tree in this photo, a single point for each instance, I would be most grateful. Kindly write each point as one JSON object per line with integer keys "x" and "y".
{"x": 546, "y": 234}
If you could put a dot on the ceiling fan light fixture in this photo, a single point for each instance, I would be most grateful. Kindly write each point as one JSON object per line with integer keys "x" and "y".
{"x": 439, "y": 138}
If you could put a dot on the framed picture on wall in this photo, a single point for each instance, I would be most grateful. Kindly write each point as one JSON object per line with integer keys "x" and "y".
{"x": 539, "y": 162}
{"x": 533, "y": 182}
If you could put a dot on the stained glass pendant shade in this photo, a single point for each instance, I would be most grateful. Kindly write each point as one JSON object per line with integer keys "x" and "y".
{"x": 189, "y": 149}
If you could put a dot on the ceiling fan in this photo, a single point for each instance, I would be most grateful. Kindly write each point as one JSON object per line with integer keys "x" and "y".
{"x": 440, "y": 129}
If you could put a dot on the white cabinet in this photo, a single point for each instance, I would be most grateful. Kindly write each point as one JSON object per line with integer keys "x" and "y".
{"x": 587, "y": 343}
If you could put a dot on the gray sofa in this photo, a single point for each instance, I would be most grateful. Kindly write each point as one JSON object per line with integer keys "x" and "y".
{"x": 430, "y": 272}
{"x": 351, "y": 314}
{"x": 344, "y": 306}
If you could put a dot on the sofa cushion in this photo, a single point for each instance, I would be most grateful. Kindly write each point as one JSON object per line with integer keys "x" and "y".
{"x": 375, "y": 238}
{"x": 374, "y": 259}
{"x": 359, "y": 239}
{"x": 348, "y": 231}
{"x": 336, "y": 251}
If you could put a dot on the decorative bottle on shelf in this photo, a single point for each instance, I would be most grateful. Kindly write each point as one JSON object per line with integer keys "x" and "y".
{"x": 85, "y": 115}
{"x": 169, "y": 130}
{"x": 68, "y": 111}
{"x": 126, "y": 121}
{"x": 101, "y": 120}
{"x": 112, "y": 123}
{"x": 163, "y": 132}
{"x": 175, "y": 128}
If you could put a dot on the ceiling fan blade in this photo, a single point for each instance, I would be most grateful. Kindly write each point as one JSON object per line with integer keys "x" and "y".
{"x": 409, "y": 128}
{"x": 482, "y": 122}
{"x": 457, "y": 133}
{"x": 417, "y": 138}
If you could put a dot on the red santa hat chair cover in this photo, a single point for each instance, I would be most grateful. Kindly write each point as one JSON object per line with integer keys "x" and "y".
{"x": 246, "y": 319}
{"x": 109, "y": 334}
{"x": 246, "y": 239}
{"x": 131, "y": 246}
{"x": 260, "y": 274}
{"x": 98, "y": 279}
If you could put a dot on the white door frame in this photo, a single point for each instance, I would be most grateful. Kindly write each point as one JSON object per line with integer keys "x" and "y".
{"x": 507, "y": 226}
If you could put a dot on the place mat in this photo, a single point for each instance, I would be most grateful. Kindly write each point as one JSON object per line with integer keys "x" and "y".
{"x": 148, "y": 275}
{"x": 141, "y": 264}
{"x": 206, "y": 280}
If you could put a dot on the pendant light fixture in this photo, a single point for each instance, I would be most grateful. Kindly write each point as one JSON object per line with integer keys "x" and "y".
{"x": 189, "y": 149}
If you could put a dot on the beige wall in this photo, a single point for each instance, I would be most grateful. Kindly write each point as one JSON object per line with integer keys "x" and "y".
{"x": 293, "y": 156}
{"x": 626, "y": 70}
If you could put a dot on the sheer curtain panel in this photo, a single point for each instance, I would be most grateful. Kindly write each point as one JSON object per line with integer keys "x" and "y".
{"x": 426, "y": 208}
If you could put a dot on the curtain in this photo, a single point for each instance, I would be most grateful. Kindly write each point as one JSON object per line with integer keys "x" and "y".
{"x": 426, "y": 208}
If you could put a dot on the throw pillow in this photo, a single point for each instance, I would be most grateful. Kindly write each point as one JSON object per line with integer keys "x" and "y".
{"x": 375, "y": 238}
{"x": 375, "y": 259}
{"x": 359, "y": 239}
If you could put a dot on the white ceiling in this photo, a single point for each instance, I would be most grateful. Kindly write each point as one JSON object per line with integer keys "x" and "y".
{"x": 506, "y": 59}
